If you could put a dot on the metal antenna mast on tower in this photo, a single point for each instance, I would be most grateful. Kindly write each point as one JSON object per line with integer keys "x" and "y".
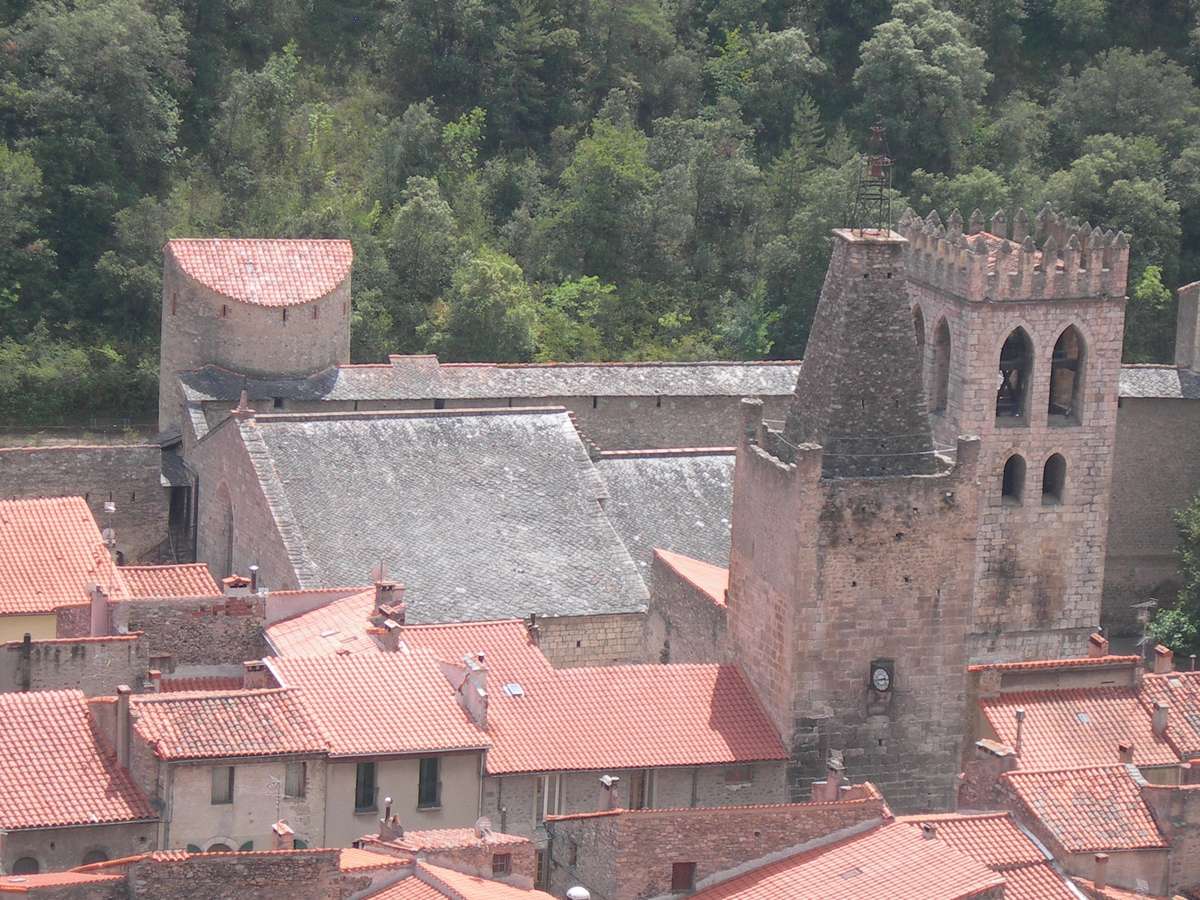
{"x": 872, "y": 210}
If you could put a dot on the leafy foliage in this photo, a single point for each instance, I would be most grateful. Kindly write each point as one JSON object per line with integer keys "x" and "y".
{"x": 552, "y": 179}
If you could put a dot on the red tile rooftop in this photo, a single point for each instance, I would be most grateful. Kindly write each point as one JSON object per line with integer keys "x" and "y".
{"x": 1076, "y": 727}
{"x": 712, "y": 580}
{"x": 195, "y": 683}
{"x": 1180, "y": 691}
{"x": 1081, "y": 662}
{"x": 890, "y": 861}
{"x": 264, "y": 272}
{"x": 50, "y": 552}
{"x": 629, "y": 717}
{"x": 53, "y": 769}
{"x": 448, "y": 839}
{"x": 357, "y": 701}
{"x": 1089, "y": 809}
{"x": 225, "y": 725}
{"x": 354, "y": 860}
{"x": 471, "y": 887}
{"x": 24, "y": 884}
{"x": 187, "y": 580}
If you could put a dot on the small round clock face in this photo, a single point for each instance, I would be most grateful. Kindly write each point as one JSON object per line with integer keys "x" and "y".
{"x": 881, "y": 680}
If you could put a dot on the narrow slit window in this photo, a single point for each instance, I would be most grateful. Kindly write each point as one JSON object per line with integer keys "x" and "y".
{"x": 941, "y": 367}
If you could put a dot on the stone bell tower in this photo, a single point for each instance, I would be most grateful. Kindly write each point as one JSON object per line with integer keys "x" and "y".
{"x": 853, "y": 547}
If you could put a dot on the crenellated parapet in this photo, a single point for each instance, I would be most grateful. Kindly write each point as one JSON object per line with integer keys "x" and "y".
{"x": 1052, "y": 257}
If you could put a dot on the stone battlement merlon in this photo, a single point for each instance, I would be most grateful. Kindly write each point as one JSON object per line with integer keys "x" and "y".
{"x": 1011, "y": 263}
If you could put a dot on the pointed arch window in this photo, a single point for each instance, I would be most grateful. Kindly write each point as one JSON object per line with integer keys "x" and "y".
{"x": 1016, "y": 370}
{"x": 941, "y": 367}
{"x": 1066, "y": 376}
{"x": 1012, "y": 487}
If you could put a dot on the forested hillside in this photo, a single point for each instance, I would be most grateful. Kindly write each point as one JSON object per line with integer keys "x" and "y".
{"x": 557, "y": 179}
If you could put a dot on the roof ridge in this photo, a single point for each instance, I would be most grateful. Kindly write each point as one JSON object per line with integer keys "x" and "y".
{"x": 223, "y": 694}
{"x": 1064, "y": 770}
{"x": 377, "y": 414}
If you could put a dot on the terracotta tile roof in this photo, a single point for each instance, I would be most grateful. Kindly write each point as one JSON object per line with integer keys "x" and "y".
{"x": 712, "y": 580}
{"x": 1088, "y": 809}
{"x": 192, "y": 683}
{"x": 50, "y": 552}
{"x": 357, "y": 703}
{"x": 628, "y": 717}
{"x": 352, "y": 859}
{"x": 1181, "y": 691}
{"x": 341, "y": 628}
{"x": 222, "y": 725}
{"x": 54, "y": 770}
{"x": 471, "y": 887}
{"x": 188, "y": 580}
{"x": 265, "y": 272}
{"x": 25, "y": 884}
{"x": 453, "y": 839}
{"x": 1082, "y": 662}
{"x": 891, "y": 861}
{"x": 1074, "y": 727}
{"x": 410, "y": 888}
{"x": 995, "y": 840}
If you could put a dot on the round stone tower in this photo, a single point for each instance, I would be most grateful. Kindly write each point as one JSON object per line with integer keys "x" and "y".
{"x": 258, "y": 307}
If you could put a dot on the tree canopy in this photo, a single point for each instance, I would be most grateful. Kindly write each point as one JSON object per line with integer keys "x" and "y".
{"x": 554, "y": 179}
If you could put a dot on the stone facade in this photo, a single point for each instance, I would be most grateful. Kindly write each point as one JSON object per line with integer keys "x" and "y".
{"x": 683, "y": 624}
{"x": 830, "y": 575}
{"x": 299, "y": 875}
{"x": 202, "y": 327}
{"x": 623, "y": 855}
{"x": 56, "y": 849}
{"x": 128, "y": 475}
{"x": 510, "y": 800}
{"x": 197, "y": 630}
{"x": 93, "y": 665}
{"x": 599, "y": 640}
{"x": 1039, "y": 567}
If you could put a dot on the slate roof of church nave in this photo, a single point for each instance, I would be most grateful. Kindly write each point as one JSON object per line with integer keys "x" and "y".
{"x": 482, "y": 515}
{"x": 418, "y": 378}
{"x": 678, "y": 500}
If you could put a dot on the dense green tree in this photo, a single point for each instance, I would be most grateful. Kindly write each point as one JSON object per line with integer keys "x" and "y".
{"x": 488, "y": 314}
{"x": 1178, "y": 625}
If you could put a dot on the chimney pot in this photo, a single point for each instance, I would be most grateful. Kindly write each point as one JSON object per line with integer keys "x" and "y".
{"x": 1020, "y": 713}
{"x": 610, "y": 794}
{"x": 123, "y": 692}
{"x": 1097, "y": 646}
{"x": 1162, "y": 712}
{"x": 1100, "y": 876}
{"x": 155, "y": 680}
{"x": 928, "y": 830}
{"x": 391, "y": 634}
{"x": 236, "y": 585}
{"x": 285, "y": 837}
{"x": 1164, "y": 660}
{"x": 254, "y": 579}
{"x": 1125, "y": 752}
{"x": 387, "y": 593}
{"x": 578, "y": 893}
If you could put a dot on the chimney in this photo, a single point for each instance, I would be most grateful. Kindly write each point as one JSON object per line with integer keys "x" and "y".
{"x": 256, "y": 675}
{"x": 99, "y": 623}
{"x": 1097, "y": 646}
{"x": 1020, "y": 726}
{"x": 390, "y": 827}
{"x": 254, "y": 579}
{"x": 610, "y": 795}
{"x": 928, "y": 831}
{"x": 474, "y": 688}
{"x": 390, "y": 634}
{"x": 1125, "y": 752}
{"x": 387, "y": 593}
{"x": 243, "y": 410}
{"x": 285, "y": 837}
{"x": 123, "y": 692}
{"x": 155, "y": 681}
{"x": 533, "y": 628}
{"x": 1100, "y": 875}
{"x": 483, "y": 827}
{"x": 236, "y": 586}
{"x": 1187, "y": 327}
{"x": 1161, "y": 713}
{"x": 830, "y": 788}
{"x": 1164, "y": 660}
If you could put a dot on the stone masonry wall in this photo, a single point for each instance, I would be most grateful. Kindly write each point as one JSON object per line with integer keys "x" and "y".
{"x": 93, "y": 665}
{"x": 628, "y": 855}
{"x": 478, "y": 860}
{"x": 600, "y": 640}
{"x": 127, "y": 474}
{"x": 1156, "y": 470}
{"x": 56, "y": 849}
{"x": 683, "y": 624}
{"x": 198, "y": 630}
{"x": 300, "y": 875}
{"x": 1039, "y": 565}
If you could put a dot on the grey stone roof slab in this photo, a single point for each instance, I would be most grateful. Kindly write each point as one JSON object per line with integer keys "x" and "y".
{"x": 419, "y": 378}
{"x": 680, "y": 500}
{"x": 1159, "y": 382}
{"x": 481, "y": 514}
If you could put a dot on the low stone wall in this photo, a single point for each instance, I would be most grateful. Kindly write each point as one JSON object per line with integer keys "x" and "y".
{"x": 242, "y": 876}
{"x": 127, "y": 474}
{"x": 93, "y": 665}
{"x": 683, "y": 624}
{"x": 56, "y": 849}
{"x": 600, "y": 640}
{"x": 202, "y": 631}
{"x": 623, "y": 855}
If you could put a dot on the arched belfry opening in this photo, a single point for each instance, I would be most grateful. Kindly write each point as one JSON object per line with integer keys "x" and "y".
{"x": 941, "y": 368}
{"x": 1016, "y": 370}
{"x": 1066, "y": 376}
{"x": 1012, "y": 485}
{"x": 1054, "y": 480}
